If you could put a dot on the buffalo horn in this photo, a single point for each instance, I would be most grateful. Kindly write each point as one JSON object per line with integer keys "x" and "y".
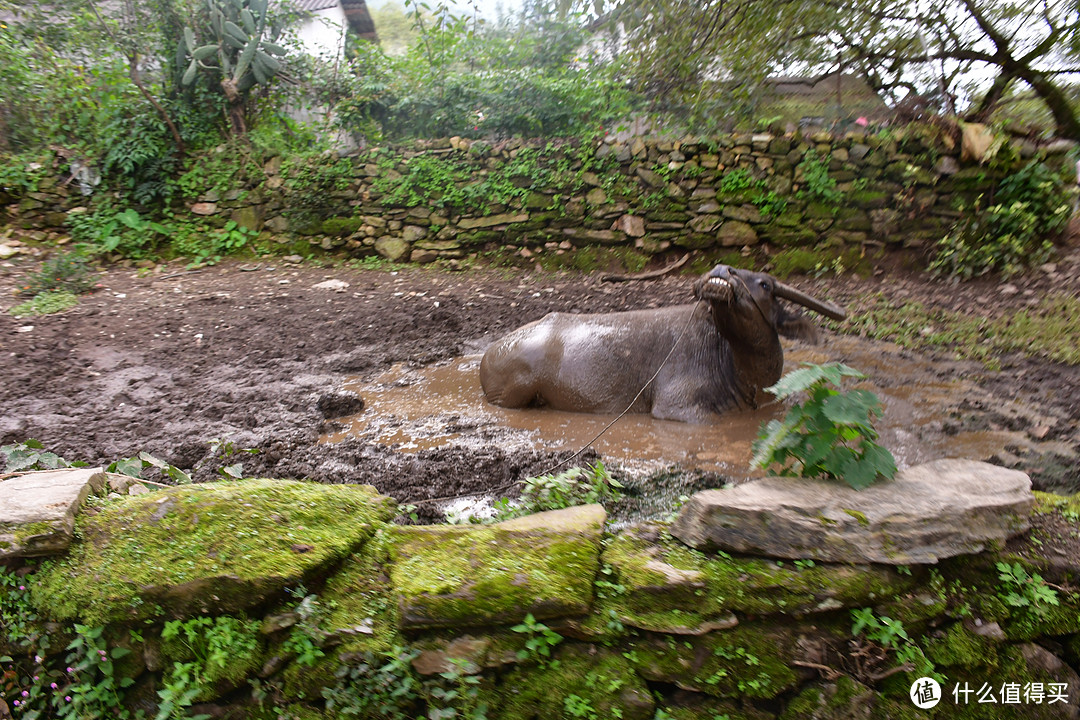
{"x": 800, "y": 298}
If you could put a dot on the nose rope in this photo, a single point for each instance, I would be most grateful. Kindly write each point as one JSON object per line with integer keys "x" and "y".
{"x": 586, "y": 446}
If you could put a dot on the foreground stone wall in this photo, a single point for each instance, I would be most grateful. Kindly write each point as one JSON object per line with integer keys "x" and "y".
{"x": 332, "y": 610}
{"x": 903, "y": 187}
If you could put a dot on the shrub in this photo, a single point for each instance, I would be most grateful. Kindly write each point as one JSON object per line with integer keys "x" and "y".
{"x": 831, "y": 435}
{"x": 1030, "y": 206}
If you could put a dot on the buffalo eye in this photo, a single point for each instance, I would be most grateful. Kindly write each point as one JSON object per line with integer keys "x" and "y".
{"x": 765, "y": 285}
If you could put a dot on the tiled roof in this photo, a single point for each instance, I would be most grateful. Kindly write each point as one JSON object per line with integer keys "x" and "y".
{"x": 312, "y": 5}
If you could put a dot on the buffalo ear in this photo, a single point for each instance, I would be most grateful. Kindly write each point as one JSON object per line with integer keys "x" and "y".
{"x": 797, "y": 326}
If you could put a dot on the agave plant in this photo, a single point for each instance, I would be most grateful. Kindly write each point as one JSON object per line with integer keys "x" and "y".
{"x": 242, "y": 51}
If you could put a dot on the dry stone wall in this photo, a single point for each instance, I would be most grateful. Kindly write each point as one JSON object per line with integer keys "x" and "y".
{"x": 451, "y": 197}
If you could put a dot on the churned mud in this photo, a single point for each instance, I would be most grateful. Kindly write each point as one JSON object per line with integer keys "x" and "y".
{"x": 374, "y": 381}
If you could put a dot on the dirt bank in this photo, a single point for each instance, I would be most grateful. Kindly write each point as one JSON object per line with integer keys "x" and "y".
{"x": 167, "y": 360}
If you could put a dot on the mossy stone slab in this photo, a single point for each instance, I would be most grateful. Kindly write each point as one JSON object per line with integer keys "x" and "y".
{"x": 37, "y": 509}
{"x": 454, "y": 576}
{"x": 595, "y": 682}
{"x": 673, "y": 589}
{"x": 928, "y": 512}
{"x": 206, "y": 549}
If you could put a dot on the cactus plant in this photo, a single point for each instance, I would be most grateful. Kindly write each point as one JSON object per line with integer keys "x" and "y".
{"x": 241, "y": 51}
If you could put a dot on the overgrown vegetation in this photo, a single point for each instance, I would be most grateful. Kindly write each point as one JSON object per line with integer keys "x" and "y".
{"x": 1047, "y": 330}
{"x": 829, "y": 435}
{"x": 576, "y": 486}
{"x": 1011, "y": 230}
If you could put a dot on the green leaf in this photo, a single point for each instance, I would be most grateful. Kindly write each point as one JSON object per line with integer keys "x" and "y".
{"x": 132, "y": 467}
{"x": 245, "y": 58}
{"x": 847, "y": 409}
{"x": 273, "y": 48}
{"x": 205, "y": 52}
{"x": 189, "y": 74}
{"x": 189, "y": 38}
{"x": 247, "y": 19}
{"x": 801, "y": 379}
{"x": 880, "y": 459}
{"x": 34, "y": 444}
{"x": 270, "y": 64}
{"x": 233, "y": 30}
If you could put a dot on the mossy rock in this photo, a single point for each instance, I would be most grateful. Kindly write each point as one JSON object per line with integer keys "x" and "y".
{"x": 244, "y": 653}
{"x": 583, "y": 682}
{"x": 673, "y": 588}
{"x": 843, "y": 699}
{"x": 713, "y": 709}
{"x": 209, "y": 549}
{"x": 751, "y": 660}
{"x": 341, "y": 226}
{"x": 362, "y": 611}
{"x": 543, "y": 564}
{"x": 958, "y": 647}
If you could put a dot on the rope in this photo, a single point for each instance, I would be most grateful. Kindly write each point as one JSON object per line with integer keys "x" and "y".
{"x": 587, "y": 445}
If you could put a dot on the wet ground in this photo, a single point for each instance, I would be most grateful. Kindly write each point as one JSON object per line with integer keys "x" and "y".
{"x": 259, "y": 357}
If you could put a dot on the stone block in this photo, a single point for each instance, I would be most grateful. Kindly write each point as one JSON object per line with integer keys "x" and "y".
{"x": 37, "y": 509}
{"x": 926, "y": 513}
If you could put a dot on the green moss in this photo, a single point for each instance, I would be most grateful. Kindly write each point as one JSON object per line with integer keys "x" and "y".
{"x": 957, "y": 647}
{"x": 447, "y": 576}
{"x": 750, "y": 660}
{"x": 797, "y": 261}
{"x": 584, "y": 679}
{"x": 22, "y": 533}
{"x": 670, "y": 585}
{"x": 205, "y": 549}
{"x": 359, "y": 596}
{"x": 341, "y": 226}
{"x": 859, "y": 517}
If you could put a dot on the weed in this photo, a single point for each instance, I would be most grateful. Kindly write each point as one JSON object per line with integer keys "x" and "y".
{"x": 576, "y": 486}
{"x": 381, "y": 685}
{"x": 1029, "y": 594}
{"x": 818, "y": 184}
{"x": 134, "y": 466}
{"x": 1030, "y": 206}
{"x": 45, "y": 303}
{"x": 31, "y": 455}
{"x": 68, "y": 272}
{"x": 830, "y": 435}
{"x": 540, "y": 640}
{"x": 207, "y": 649}
{"x": 891, "y": 634}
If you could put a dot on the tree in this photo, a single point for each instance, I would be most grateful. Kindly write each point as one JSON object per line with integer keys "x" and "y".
{"x": 674, "y": 48}
{"x": 238, "y": 50}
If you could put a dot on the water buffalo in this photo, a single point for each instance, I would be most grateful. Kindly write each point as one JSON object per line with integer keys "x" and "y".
{"x": 726, "y": 349}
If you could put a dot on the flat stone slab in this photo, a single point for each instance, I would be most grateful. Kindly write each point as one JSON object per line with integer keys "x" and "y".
{"x": 37, "y": 509}
{"x": 453, "y": 575}
{"x": 928, "y": 512}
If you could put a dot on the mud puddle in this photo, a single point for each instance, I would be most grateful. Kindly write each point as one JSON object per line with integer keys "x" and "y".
{"x": 924, "y": 417}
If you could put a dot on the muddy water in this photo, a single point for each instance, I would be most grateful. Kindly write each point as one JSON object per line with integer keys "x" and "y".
{"x": 923, "y": 419}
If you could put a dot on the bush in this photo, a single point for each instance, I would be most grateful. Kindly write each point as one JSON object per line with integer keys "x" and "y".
{"x": 1031, "y": 207}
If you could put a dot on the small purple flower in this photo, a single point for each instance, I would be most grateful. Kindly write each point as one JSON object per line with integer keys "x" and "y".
{"x": 26, "y": 693}
{"x": 22, "y": 587}
{"x": 16, "y": 703}
{"x": 67, "y": 698}
{"x": 35, "y": 678}
{"x": 70, "y": 671}
{"x": 53, "y": 685}
{"x": 37, "y": 659}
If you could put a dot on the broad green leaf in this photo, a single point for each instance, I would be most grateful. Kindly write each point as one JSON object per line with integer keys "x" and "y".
{"x": 132, "y": 467}
{"x": 858, "y": 474}
{"x": 34, "y": 444}
{"x": 801, "y": 379}
{"x": 189, "y": 74}
{"x": 846, "y": 409}
{"x": 880, "y": 459}
{"x": 205, "y": 52}
{"x": 189, "y": 38}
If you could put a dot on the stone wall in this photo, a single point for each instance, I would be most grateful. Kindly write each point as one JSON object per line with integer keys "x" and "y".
{"x": 902, "y": 187}
{"x": 545, "y": 616}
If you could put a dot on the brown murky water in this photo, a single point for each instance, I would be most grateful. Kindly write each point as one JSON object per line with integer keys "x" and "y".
{"x": 441, "y": 405}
